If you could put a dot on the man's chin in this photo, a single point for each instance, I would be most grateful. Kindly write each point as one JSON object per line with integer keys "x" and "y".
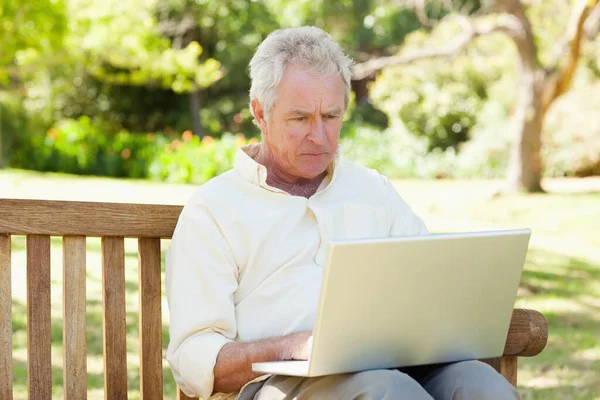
{"x": 312, "y": 173}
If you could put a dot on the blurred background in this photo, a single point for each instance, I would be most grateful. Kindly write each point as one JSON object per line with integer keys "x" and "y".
{"x": 158, "y": 89}
{"x": 486, "y": 113}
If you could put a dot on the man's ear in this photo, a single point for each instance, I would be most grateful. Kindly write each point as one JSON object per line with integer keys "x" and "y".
{"x": 259, "y": 115}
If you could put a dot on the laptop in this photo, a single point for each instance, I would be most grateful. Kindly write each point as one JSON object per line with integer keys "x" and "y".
{"x": 407, "y": 301}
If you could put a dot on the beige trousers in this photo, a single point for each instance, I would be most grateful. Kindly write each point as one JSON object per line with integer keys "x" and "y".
{"x": 458, "y": 381}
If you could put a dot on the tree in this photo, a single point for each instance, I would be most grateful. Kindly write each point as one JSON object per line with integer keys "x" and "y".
{"x": 364, "y": 29}
{"x": 27, "y": 26}
{"x": 114, "y": 54}
{"x": 539, "y": 85}
{"x": 228, "y": 31}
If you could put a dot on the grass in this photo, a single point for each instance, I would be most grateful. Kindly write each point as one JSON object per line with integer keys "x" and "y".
{"x": 561, "y": 277}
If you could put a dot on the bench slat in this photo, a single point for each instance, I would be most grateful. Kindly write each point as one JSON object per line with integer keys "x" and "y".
{"x": 5, "y": 320}
{"x": 505, "y": 365}
{"x": 62, "y": 218}
{"x": 151, "y": 379}
{"x": 74, "y": 341}
{"x": 38, "y": 317}
{"x": 113, "y": 318}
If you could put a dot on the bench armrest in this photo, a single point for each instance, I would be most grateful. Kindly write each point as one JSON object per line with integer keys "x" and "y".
{"x": 527, "y": 335}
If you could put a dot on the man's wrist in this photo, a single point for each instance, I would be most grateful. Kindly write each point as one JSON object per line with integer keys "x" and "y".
{"x": 284, "y": 348}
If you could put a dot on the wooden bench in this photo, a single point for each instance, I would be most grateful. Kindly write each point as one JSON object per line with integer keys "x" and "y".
{"x": 39, "y": 220}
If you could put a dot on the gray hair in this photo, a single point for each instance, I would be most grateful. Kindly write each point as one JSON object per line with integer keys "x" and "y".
{"x": 307, "y": 46}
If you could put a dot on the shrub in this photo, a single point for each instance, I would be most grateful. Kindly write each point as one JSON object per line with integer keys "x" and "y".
{"x": 572, "y": 134}
{"x": 81, "y": 147}
{"x": 397, "y": 154}
{"x": 571, "y": 148}
{"x": 441, "y": 100}
{"x": 14, "y": 125}
{"x": 486, "y": 154}
{"x": 367, "y": 115}
{"x": 195, "y": 161}
{"x": 440, "y": 105}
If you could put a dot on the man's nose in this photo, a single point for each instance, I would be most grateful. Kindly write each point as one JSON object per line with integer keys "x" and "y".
{"x": 317, "y": 132}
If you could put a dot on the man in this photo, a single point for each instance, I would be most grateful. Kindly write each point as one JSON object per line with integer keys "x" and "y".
{"x": 244, "y": 268}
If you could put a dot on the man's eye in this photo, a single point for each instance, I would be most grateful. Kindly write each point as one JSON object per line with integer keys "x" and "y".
{"x": 331, "y": 116}
{"x": 300, "y": 118}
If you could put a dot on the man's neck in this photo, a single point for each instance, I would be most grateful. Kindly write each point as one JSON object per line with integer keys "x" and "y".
{"x": 277, "y": 178}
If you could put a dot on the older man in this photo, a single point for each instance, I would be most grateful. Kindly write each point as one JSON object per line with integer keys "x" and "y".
{"x": 244, "y": 268}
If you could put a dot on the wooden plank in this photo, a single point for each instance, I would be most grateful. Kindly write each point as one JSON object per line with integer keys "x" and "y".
{"x": 151, "y": 379}
{"x": 182, "y": 396}
{"x": 505, "y": 365}
{"x": 38, "y": 318}
{"x": 527, "y": 335}
{"x": 63, "y": 218}
{"x": 74, "y": 341}
{"x": 5, "y": 320}
{"x": 113, "y": 318}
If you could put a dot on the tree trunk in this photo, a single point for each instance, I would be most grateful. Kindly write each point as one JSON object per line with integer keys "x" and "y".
{"x": 539, "y": 88}
{"x": 525, "y": 164}
{"x": 361, "y": 90}
{"x": 195, "y": 104}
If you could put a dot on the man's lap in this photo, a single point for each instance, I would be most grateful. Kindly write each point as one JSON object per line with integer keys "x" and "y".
{"x": 464, "y": 380}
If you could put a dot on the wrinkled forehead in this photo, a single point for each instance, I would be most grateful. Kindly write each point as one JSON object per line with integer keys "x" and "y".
{"x": 304, "y": 89}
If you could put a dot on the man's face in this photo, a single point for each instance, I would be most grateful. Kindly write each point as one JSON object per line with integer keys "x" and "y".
{"x": 303, "y": 128}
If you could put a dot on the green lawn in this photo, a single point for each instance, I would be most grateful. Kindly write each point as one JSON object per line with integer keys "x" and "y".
{"x": 561, "y": 278}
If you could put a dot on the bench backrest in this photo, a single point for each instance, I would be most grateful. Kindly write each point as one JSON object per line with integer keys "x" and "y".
{"x": 74, "y": 221}
{"x": 39, "y": 220}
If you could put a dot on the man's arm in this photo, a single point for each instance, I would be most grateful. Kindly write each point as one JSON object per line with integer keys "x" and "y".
{"x": 233, "y": 368}
{"x": 201, "y": 278}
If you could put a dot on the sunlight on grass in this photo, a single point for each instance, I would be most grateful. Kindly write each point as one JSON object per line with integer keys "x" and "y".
{"x": 561, "y": 276}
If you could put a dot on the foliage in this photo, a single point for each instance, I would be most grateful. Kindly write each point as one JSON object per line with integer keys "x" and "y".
{"x": 122, "y": 45}
{"x": 29, "y": 26}
{"x": 547, "y": 28}
{"x": 442, "y": 101}
{"x": 368, "y": 115}
{"x": 195, "y": 161}
{"x": 140, "y": 83}
{"x": 572, "y": 134}
{"x": 128, "y": 66}
{"x": 228, "y": 31}
{"x": 486, "y": 155}
{"x": 228, "y": 114}
{"x": 571, "y": 137}
{"x": 12, "y": 122}
{"x": 81, "y": 147}
{"x": 369, "y": 27}
{"x": 398, "y": 154}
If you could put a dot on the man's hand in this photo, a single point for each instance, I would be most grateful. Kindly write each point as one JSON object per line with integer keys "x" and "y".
{"x": 297, "y": 346}
{"x": 233, "y": 367}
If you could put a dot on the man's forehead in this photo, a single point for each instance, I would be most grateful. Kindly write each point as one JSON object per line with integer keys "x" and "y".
{"x": 311, "y": 98}
{"x": 317, "y": 106}
{"x": 297, "y": 79}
